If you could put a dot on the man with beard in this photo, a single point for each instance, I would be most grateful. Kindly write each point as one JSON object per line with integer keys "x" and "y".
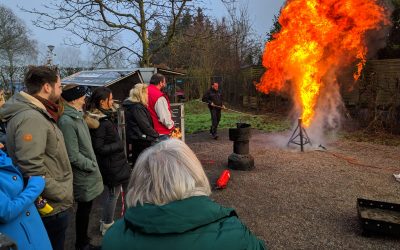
{"x": 36, "y": 145}
{"x": 159, "y": 107}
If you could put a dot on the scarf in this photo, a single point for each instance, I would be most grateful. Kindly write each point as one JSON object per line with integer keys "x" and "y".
{"x": 51, "y": 107}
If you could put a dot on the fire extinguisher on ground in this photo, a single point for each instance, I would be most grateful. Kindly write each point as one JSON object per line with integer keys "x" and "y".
{"x": 223, "y": 179}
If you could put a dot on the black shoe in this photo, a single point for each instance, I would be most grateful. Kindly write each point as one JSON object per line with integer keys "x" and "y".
{"x": 215, "y": 137}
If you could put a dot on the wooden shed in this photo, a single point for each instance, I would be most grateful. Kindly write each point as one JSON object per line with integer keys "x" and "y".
{"x": 119, "y": 81}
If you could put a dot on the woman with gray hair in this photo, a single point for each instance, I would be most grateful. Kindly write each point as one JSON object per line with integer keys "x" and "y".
{"x": 169, "y": 207}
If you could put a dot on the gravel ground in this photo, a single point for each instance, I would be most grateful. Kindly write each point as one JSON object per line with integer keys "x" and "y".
{"x": 295, "y": 200}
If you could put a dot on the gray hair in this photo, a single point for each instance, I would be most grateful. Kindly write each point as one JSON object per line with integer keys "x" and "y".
{"x": 166, "y": 172}
{"x": 139, "y": 93}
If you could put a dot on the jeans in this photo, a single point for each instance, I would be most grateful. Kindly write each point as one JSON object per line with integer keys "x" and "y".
{"x": 110, "y": 201}
{"x": 163, "y": 137}
{"x": 56, "y": 227}
{"x": 82, "y": 223}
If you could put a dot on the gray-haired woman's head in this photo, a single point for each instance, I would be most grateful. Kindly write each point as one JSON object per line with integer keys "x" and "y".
{"x": 166, "y": 172}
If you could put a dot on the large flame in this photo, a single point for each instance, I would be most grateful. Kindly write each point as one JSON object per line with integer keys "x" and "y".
{"x": 316, "y": 37}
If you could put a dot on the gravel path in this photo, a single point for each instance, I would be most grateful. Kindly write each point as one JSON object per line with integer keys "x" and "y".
{"x": 306, "y": 200}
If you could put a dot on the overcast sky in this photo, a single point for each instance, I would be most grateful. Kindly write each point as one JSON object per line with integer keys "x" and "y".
{"x": 261, "y": 13}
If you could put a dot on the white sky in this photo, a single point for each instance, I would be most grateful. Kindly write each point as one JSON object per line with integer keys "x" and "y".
{"x": 261, "y": 13}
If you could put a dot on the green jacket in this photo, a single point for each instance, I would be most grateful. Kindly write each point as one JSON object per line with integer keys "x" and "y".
{"x": 88, "y": 183}
{"x": 36, "y": 146}
{"x": 196, "y": 223}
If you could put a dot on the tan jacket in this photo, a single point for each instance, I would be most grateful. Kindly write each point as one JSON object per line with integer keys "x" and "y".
{"x": 36, "y": 146}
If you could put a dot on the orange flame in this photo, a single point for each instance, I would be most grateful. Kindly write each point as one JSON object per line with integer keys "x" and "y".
{"x": 176, "y": 133}
{"x": 317, "y": 37}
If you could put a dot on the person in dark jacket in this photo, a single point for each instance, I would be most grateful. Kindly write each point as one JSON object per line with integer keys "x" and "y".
{"x": 140, "y": 132}
{"x": 109, "y": 150}
{"x": 215, "y": 103}
{"x": 87, "y": 180}
{"x": 169, "y": 207}
{"x": 19, "y": 218}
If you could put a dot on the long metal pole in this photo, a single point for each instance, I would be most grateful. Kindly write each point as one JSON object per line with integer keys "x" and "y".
{"x": 228, "y": 109}
{"x": 301, "y": 135}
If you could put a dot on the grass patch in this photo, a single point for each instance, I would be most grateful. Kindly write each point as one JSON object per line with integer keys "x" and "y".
{"x": 197, "y": 119}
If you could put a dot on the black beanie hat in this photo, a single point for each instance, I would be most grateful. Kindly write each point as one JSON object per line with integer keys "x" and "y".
{"x": 73, "y": 93}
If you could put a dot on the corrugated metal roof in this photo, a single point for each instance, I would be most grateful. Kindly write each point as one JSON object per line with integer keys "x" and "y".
{"x": 106, "y": 77}
{"x": 103, "y": 77}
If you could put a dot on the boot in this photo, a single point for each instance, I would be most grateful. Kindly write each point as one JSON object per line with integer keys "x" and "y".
{"x": 105, "y": 227}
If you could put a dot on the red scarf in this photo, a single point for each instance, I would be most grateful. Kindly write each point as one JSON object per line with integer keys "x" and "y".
{"x": 51, "y": 107}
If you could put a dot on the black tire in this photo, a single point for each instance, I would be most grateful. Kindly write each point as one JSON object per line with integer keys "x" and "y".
{"x": 241, "y": 162}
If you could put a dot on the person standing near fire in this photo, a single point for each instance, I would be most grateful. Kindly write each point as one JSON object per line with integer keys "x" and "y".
{"x": 214, "y": 99}
{"x": 159, "y": 107}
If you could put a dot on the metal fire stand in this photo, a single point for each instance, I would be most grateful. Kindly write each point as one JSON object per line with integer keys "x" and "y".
{"x": 300, "y": 133}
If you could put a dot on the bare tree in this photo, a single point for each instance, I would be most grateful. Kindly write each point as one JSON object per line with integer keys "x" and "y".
{"x": 67, "y": 57}
{"x": 16, "y": 48}
{"x": 104, "y": 57}
{"x": 243, "y": 41}
{"x": 133, "y": 17}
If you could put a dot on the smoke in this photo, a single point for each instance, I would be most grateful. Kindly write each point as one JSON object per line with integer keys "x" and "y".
{"x": 315, "y": 49}
{"x": 327, "y": 114}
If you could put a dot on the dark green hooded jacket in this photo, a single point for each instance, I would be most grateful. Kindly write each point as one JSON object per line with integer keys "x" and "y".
{"x": 196, "y": 223}
{"x": 88, "y": 183}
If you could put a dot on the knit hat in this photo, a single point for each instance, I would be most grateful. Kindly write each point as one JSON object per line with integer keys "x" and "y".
{"x": 73, "y": 93}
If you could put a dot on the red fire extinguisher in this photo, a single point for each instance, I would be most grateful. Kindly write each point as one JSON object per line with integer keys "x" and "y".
{"x": 223, "y": 179}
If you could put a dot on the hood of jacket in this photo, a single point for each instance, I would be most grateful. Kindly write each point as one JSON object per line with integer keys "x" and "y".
{"x": 72, "y": 112}
{"x": 92, "y": 120}
{"x": 128, "y": 104}
{"x": 20, "y": 102}
{"x": 93, "y": 117}
{"x": 176, "y": 217}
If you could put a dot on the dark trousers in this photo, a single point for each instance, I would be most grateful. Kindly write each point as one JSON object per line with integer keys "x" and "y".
{"x": 215, "y": 118}
{"x": 138, "y": 146}
{"x": 82, "y": 223}
{"x": 56, "y": 227}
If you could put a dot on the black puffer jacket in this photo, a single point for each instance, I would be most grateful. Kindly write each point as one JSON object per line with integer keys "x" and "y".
{"x": 109, "y": 150}
{"x": 139, "y": 125}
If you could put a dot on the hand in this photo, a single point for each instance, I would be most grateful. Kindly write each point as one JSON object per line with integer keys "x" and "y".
{"x": 223, "y": 106}
{"x": 212, "y": 104}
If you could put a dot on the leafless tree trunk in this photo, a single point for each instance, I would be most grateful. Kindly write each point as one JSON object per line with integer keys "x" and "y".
{"x": 16, "y": 48}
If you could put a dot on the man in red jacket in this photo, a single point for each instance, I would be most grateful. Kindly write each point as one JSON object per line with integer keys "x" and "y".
{"x": 159, "y": 106}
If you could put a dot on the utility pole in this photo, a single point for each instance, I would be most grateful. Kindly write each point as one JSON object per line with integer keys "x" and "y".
{"x": 50, "y": 55}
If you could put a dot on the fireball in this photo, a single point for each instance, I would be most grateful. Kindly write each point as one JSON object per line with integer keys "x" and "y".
{"x": 318, "y": 37}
